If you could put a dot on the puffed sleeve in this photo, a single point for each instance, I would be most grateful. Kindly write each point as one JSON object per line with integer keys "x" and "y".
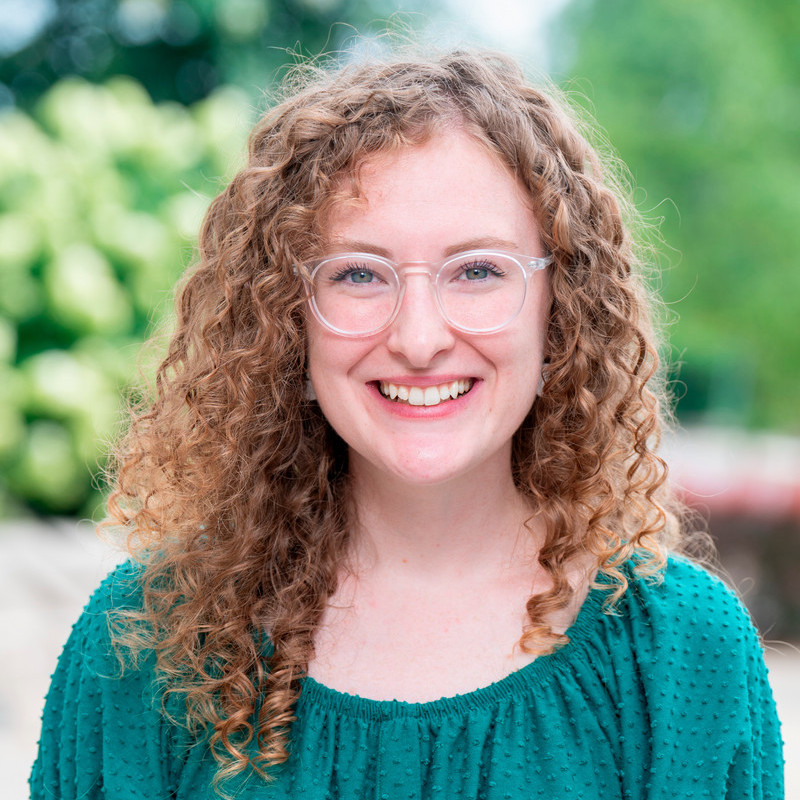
{"x": 756, "y": 769}
{"x": 713, "y": 722}
{"x": 103, "y": 734}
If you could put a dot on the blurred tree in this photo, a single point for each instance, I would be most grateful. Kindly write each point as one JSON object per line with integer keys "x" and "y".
{"x": 101, "y": 196}
{"x": 702, "y": 101}
{"x": 178, "y": 49}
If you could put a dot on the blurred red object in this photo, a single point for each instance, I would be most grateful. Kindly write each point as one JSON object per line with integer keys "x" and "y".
{"x": 736, "y": 472}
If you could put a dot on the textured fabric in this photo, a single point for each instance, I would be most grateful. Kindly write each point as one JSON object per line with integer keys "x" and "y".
{"x": 666, "y": 699}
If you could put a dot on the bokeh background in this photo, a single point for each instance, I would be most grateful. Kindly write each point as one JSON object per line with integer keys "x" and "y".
{"x": 121, "y": 119}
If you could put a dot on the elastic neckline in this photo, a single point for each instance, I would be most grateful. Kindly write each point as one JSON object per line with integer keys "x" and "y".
{"x": 589, "y": 617}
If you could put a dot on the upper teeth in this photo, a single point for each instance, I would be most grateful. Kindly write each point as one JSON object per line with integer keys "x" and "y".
{"x": 425, "y": 395}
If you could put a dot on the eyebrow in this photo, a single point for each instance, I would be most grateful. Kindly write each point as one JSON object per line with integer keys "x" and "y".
{"x": 482, "y": 243}
{"x": 357, "y": 246}
{"x": 478, "y": 243}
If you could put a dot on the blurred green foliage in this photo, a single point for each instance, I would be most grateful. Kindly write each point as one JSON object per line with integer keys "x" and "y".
{"x": 177, "y": 49}
{"x": 101, "y": 196}
{"x": 702, "y": 101}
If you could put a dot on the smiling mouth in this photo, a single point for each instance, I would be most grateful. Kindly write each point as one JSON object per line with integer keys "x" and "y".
{"x": 425, "y": 395}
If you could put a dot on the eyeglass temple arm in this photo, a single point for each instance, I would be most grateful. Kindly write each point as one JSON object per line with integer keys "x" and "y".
{"x": 535, "y": 264}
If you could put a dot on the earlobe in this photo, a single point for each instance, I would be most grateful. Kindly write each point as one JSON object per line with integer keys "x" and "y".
{"x": 542, "y": 377}
{"x": 309, "y": 392}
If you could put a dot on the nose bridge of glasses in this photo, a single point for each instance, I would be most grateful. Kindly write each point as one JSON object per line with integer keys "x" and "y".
{"x": 418, "y": 326}
{"x": 410, "y": 269}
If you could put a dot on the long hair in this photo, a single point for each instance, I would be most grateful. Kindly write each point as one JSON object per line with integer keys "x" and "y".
{"x": 232, "y": 486}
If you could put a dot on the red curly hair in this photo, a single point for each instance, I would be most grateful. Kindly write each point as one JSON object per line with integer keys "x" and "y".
{"x": 231, "y": 485}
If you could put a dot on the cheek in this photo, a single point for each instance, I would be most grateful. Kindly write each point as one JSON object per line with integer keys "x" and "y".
{"x": 522, "y": 365}
{"x": 533, "y": 332}
{"x": 332, "y": 361}
{"x": 321, "y": 364}
{"x": 544, "y": 307}
{"x": 325, "y": 389}
{"x": 321, "y": 370}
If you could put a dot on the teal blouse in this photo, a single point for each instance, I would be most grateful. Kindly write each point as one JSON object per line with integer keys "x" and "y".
{"x": 668, "y": 698}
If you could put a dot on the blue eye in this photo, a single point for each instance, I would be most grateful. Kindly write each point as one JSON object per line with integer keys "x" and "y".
{"x": 351, "y": 274}
{"x": 480, "y": 271}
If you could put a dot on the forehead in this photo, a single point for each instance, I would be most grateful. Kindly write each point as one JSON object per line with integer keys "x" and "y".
{"x": 426, "y": 195}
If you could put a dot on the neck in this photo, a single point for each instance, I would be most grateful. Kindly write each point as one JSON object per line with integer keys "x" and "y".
{"x": 472, "y": 524}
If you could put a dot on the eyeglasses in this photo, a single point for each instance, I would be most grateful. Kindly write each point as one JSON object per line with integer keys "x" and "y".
{"x": 478, "y": 291}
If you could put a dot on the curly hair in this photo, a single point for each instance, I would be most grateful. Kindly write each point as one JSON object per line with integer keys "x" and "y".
{"x": 231, "y": 485}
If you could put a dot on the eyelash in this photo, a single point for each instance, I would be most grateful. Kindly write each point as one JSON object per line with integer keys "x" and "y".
{"x": 349, "y": 269}
{"x": 487, "y": 265}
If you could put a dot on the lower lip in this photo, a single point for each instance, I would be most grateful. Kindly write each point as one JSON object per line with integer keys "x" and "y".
{"x": 444, "y": 409}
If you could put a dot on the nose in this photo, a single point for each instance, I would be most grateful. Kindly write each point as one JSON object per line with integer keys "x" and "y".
{"x": 419, "y": 332}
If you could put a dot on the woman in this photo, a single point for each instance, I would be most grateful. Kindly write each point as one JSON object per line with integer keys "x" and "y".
{"x": 398, "y": 522}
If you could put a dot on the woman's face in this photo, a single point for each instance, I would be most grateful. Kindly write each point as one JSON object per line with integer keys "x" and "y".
{"x": 424, "y": 203}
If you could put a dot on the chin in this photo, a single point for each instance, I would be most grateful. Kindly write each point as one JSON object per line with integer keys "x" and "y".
{"x": 436, "y": 466}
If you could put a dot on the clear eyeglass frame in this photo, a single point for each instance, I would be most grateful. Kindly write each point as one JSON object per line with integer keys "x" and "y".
{"x": 528, "y": 266}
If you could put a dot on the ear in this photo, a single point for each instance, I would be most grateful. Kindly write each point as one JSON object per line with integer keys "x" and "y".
{"x": 309, "y": 392}
{"x": 542, "y": 377}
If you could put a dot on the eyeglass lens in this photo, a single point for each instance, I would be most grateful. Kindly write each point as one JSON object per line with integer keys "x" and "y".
{"x": 477, "y": 292}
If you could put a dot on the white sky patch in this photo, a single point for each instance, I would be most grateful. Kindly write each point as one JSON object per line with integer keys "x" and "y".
{"x": 21, "y": 21}
{"x": 518, "y": 27}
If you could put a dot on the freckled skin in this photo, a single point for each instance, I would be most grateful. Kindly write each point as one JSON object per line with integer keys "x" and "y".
{"x": 417, "y": 203}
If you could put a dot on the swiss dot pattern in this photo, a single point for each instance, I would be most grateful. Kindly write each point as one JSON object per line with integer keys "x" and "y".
{"x": 668, "y": 699}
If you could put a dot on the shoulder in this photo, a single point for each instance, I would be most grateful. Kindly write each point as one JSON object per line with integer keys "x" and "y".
{"x": 687, "y": 589}
{"x": 690, "y": 612}
{"x": 99, "y": 716}
{"x": 687, "y": 648}
{"x": 90, "y": 646}
{"x": 121, "y": 589}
